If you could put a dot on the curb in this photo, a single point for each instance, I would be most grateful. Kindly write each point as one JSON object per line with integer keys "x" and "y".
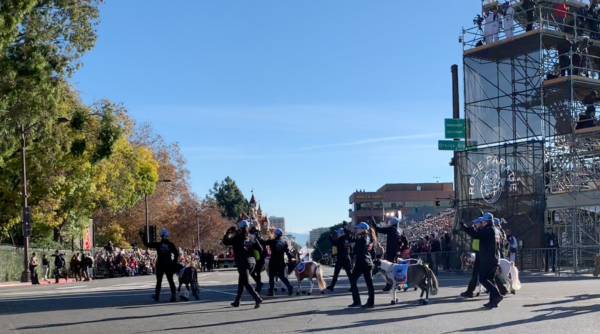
{"x": 13, "y": 284}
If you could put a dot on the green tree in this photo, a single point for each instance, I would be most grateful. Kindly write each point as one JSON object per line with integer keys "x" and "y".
{"x": 229, "y": 198}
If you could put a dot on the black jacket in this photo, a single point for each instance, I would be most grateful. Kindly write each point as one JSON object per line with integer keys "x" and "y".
{"x": 363, "y": 246}
{"x": 278, "y": 249}
{"x": 243, "y": 248}
{"x": 489, "y": 250}
{"x": 393, "y": 240}
{"x": 436, "y": 246}
{"x": 164, "y": 250}
{"x": 551, "y": 237}
{"x": 343, "y": 248}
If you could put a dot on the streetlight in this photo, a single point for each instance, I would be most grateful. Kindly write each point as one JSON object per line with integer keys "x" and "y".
{"x": 146, "y": 205}
{"x": 26, "y": 223}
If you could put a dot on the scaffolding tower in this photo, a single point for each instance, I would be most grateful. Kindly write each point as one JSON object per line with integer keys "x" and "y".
{"x": 532, "y": 151}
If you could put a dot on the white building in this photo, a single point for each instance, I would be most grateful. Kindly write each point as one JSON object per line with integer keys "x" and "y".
{"x": 315, "y": 234}
{"x": 277, "y": 222}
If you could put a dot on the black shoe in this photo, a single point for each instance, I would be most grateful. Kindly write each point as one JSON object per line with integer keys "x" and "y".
{"x": 290, "y": 291}
{"x": 235, "y": 304}
{"x": 155, "y": 298}
{"x": 368, "y": 305}
{"x": 466, "y": 295}
{"x": 270, "y": 294}
{"x": 258, "y": 302}
{"x": 355, "y": 304}
{"x": 330, "y": 288}
{"x": 173, "y": 298}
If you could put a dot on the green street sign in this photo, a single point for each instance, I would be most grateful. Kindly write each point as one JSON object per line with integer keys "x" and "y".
{"x": 451, "y": 145}
{"x": 454, "y": 128}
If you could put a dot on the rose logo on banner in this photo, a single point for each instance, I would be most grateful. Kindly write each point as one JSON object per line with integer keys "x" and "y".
{"x": 487, "y": 178}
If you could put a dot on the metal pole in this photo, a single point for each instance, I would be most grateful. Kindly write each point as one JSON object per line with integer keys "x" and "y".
{"x": 147, "y": 226}
{"x": 198, "y": 232}
{"x": 25, "y": 274}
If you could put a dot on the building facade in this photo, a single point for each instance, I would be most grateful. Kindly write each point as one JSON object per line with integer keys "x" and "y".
{"x": 395, "y": 200}
{"x": 277, "y": 222}
{"x": 314, "y": 234}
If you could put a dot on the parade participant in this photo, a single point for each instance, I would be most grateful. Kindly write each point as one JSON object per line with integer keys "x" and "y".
{"x": 491, "y": 29}
{"x": 363, "y": 266}
{"x": 507, "y": 20}
{"x": 489, "y": 252}
{"x": 244, "y": 246}
{"x": 512, "y": 246}
{"x": 394, "y": 238}
{"x": 502, "y": 247}
{"x": 259, "y": 256}
{"x": 342, "y": 243}
{"x": 278, "y": 248}
{"x": 475, "y": 273}
{"x": 166, "y": 257}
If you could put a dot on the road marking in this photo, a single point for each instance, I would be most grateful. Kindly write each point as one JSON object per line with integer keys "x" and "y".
{"x": 216, "y": 291}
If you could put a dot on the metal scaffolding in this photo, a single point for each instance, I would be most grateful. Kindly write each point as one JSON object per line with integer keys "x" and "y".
{"x": 530, "y": 159}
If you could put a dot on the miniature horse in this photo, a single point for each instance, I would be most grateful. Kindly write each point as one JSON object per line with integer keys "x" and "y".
{"x": 187, "y": 276}
{"x": 412, "y": 273}
{"x": 308, "y": 269}
{"x": 508, "y": 272}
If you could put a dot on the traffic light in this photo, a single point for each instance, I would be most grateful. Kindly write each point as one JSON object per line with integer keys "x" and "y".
{"x": 27, "y": 221}
{"x": 152, "y": 233}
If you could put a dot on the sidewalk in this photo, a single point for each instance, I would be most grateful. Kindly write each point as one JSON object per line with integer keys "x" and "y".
{"x": 13, "y": 284}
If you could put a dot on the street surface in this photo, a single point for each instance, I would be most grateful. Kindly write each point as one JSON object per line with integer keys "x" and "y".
{"x": 544, "y": 305}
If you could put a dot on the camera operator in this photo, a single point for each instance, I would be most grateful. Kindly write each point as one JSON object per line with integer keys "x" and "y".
{"x": 528, "y": 6}
{"x": 564, "y": 48}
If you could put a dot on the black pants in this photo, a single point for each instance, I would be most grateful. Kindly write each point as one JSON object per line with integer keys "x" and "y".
{"x": 34, "y": 275}
{"x": 244, "y": 282}
{"x": 336, "y": 272}
{"x": 255, "y": 273}
{"x": 279, "y": 272}
{"x": 529, "y": 20}
{"x": 486, "y": 278}
{"x": 366, "y": 273}
{"x": 160, "y": 272}
{"x": 564, "y": 61}
{"x": 550, "y": 259}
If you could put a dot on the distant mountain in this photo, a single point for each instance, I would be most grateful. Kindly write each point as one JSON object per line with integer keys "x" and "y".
{"x": 300, "y": 238}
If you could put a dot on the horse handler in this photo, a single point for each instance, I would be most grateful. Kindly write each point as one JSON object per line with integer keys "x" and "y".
{"x": 342, "y": 243}
{"x": 165, "y": 265}
{"x": 363, "y": 246}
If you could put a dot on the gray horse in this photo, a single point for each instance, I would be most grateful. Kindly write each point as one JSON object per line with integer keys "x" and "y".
{"x": 410, "y": 273}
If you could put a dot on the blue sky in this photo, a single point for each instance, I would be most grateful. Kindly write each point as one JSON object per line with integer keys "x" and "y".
{"x": 302, "y": 101}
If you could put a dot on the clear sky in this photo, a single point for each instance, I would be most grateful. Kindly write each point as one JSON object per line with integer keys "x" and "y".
{"x": 302, "y": 101}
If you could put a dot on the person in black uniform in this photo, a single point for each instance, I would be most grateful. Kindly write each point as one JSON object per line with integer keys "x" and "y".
{"x": 244, "y": 246}
{"x": 277, "y": 264}
{"x": 552, "y": 244}
{"x": 364, "y": 242}
{"x": 489, "y": 252}
{"x": 260, "y": 262}
{"x": 393, "y": 240}
{"x": 166, "y": 256}
{"x": 342, "y": 243}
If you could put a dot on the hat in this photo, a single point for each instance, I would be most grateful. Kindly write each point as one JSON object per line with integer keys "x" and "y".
{"x": 340, "y": 231}
{"x": 488, "y": 217}
{"x": 496, "y": 221}
{"x": 164, "y": 233}
{"x": 394, "y": 220}
{"x": 362, "y": 226}
{"x": 278, "y": 232}
{"x": 243, "y": 223}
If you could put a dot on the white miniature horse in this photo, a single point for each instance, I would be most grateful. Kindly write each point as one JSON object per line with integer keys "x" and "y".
{"x": 308, "y": 270}
{"x": 411, "y": 272}
{"x": 508, "y": 271}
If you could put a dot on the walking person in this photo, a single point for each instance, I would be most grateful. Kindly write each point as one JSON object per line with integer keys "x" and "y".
{"x": 244, "y": 246}
{"x": 46, "y": 267}
{"x": 278, "y": 248}
{"x": 364, "y": 242}
{"x": 259, "y": 256}
{"x": 475, "y": 273}
{"x": 342, "y": 243}
{"x": 394, "y": 238}
{"x": 33, "y": 263}
{"x": 489, "y": 240}
{"x": 166, "y": 257}
{"x": 512, "y": 246}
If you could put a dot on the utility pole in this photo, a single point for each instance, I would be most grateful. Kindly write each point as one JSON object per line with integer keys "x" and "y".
{"x": 26, "y": 230}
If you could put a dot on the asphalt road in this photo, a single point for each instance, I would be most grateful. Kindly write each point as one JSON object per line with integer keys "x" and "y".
{"x": 123, "y": 305}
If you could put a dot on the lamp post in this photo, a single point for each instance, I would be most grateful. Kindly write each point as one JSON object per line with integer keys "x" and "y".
{"x": 26, "y": 223}
{"x": 146, "y": 207}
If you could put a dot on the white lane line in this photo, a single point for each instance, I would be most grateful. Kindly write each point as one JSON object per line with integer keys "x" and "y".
{"x": 74, "y": 297}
